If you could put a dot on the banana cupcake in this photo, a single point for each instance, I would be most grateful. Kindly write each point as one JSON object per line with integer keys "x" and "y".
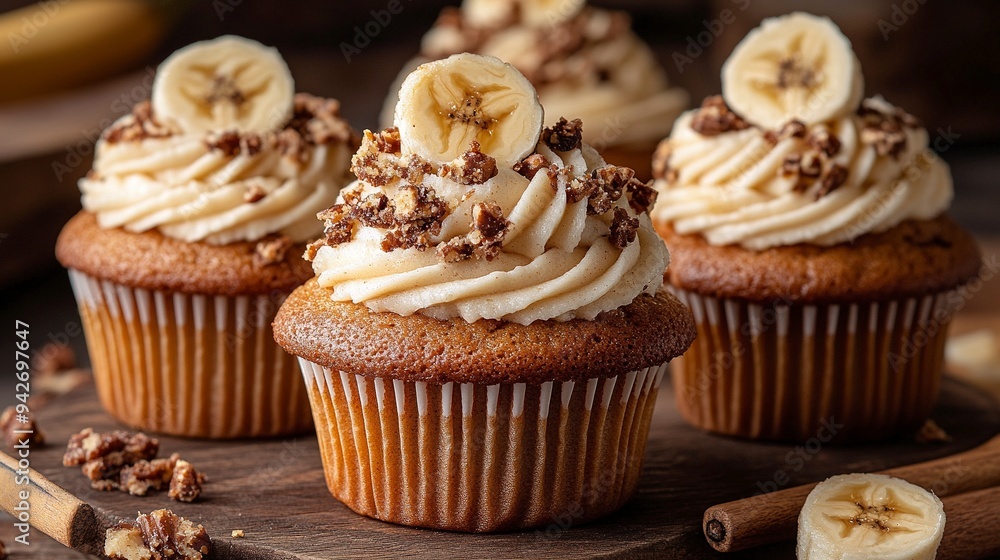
{"x": 809, "y": 237}
{"x": 486, "y": 334}
{"x": 585, "y": 62}
{"x": 194, "y": 220}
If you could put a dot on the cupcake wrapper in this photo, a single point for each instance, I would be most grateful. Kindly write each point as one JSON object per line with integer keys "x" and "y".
{"x": 472, "y": 457}
{"x": 853, "y": 372}
{"x": 189, "y": 364}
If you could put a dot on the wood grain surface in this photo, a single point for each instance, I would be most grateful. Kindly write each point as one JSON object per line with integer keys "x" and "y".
{"x": 274, "y": 491}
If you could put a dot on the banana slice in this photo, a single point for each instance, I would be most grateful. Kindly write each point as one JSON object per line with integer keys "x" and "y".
{"x": 229, "y": 83}
{"x": 798, "y": 66}
{"x": 860, "y": 516}
{"x": 446, "y": 104}
{"x": 534, "y": 13}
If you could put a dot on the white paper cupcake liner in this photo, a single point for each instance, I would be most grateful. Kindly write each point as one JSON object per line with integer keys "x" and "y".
{"x": 471, "y": 457}
{"x": 190, "y": 364}
{"x": 863, "y": 371}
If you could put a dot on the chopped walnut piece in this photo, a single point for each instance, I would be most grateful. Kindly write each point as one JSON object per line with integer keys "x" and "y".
{"x": 623, "y": 228}
{"x": 823, "y": 141}
{"x": 138, "y": 126}
{"x": 531, "y": 165}
{"x": 159, "y": 534}
{"x": 111, "y": 464}
{"x": 930, "y": 432}
{"x": 11, "y": 421}
{"x": 254, "y": 193}
{"x": 564, "y": 135}
{"x": 471, "y": 168}
{"x": 88, "y": 445}
{"x": 832, "y": 180}
{"x": 237, "y": 534}
{"x": 661, "y": 162}
{"x": 602, "y": 188}
{"x": 377, "y": 160}
{"x": 714, "y": 118}
{"x": 105, "y": 485}
{"x": 232, "y": 143}
{"x": 185, "y": 484}
{"x": 139, "y": 478}
{"x": 53, "y": 358}
{"x": 488, "y": 229}
{"x": 793, "y": 129}
{"x": 641, "y": 196}
{"x": 885, "y": 130}
{"x": 272, "y": 249}
{"x": 318, "y": 120}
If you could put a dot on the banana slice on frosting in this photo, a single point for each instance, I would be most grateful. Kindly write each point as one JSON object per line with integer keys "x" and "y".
{"x": 229, "y": 83}
{"x": 447, "y": 104}
{"x": 797, "y": 66}
{"x": 861, "y": 516}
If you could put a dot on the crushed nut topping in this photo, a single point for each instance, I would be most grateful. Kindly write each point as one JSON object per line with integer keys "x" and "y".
{"x": 531, "y": 165}
{"x": 232, "y": 143}
{"x": 623, "y": 228}
{"x": 714, "y": 118}
{"x": 136, "y": 127}
{"x": 9, "y": 423}
{"x": 158, "y": 534}
{"x": 471, "y": 168}
{"x": 661, "y": 163}
{"x": 488, "y": 229}
{"x": 564, "y": 135}
{"x": 272, "y": 249}
{"x": 641, "y": 196}
{"x": 185, "y": 484}
{"x": 379, "y": 163}
{"x": 885, "y": 131}
{"x": 821, "y": 140}
{"x": 254, "y": 193}
{"x": 602, "y": 188}
{"x": 318, "y": 121}
{"x": 832, "y": 180}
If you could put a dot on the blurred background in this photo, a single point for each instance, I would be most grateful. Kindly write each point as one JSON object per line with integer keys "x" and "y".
{"x": 69, "y": 67}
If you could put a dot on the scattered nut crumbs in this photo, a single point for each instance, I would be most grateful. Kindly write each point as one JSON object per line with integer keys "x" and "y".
{"x": 159, "y": 534}
{"x": 125, "y": 461}
{"x": 9, "y": 424}
{"x": 602, "y": 188}
{"x": 237, "y": 533}
{"x": 486, "y": 235}
{"x": 623, "y": 228}
{"x": 531, "y": 165}
{"x": 272, "y": 249}
{"x": 930, "y": 432}
{"x": 715, "y": 117}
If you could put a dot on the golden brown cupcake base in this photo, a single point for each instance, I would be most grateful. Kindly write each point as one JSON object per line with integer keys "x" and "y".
{"x": 190, "y": 365}
{"x": 912, "y": 259}
{"x": 348, "y": 337}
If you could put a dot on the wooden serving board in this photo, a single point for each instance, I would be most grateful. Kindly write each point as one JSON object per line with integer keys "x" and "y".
{"x": 275, "y": 492}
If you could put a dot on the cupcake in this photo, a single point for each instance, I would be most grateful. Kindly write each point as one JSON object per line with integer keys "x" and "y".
{"x": 810, "y": 240}
{"x": 486, "y": 334}
{"x": 584, "y": 62}
{"x": 194, "y": 220}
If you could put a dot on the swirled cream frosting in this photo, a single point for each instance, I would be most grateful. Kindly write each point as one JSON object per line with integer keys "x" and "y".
{"x": 590, "y": 66}
{"x": 559, "y": 235}
{"x": 220, "y": 187}
{"x": 823, "y": 184}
